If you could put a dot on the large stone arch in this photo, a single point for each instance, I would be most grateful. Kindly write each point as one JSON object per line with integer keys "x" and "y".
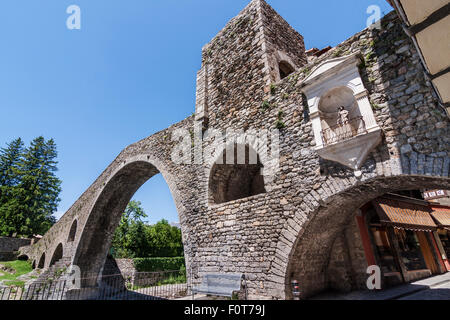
{"x": 305, "y": 245}
{"x": 105, "y": 214}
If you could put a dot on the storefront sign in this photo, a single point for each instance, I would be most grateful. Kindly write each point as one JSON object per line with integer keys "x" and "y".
{"x": 435, "y": 194}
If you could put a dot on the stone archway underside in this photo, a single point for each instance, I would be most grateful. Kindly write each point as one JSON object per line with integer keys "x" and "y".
{"x": 105, "y": 217}
{"x": 311, "y": 250}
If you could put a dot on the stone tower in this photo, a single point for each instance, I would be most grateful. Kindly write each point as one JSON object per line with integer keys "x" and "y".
{"x": 255, "y": 49}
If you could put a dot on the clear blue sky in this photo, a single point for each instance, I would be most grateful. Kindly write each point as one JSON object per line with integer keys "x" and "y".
{"x": 129, "y": 72}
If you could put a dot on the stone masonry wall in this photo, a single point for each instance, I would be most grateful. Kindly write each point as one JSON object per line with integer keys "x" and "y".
{"x": 12, "y": 244}
{"x": 347, "y": 267}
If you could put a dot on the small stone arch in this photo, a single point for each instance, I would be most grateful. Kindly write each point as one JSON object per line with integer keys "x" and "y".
{"x": 73, "y": 231}
{"x": 57, "y": 254}
{"x": 23, "y": 257}
{"x": 41, "y": 263}
{"x": 236, "y": 177}
{"x": 285, "y": 69}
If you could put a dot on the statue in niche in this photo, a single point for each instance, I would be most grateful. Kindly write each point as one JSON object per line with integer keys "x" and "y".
{"x": 343, "y": 130}
{"x": 342, "y": 116}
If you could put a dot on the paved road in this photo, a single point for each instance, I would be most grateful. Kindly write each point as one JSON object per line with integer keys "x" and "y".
{"x": 439, "y": 292}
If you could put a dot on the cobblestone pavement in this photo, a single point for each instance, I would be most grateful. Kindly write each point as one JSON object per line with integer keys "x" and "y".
{"x": 440, "y": 292}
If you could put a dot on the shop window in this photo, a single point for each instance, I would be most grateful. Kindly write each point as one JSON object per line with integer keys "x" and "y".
{"x": 445, "y": 240}
{"x": 410, "y": 250}
{"x": 383, "y": 246}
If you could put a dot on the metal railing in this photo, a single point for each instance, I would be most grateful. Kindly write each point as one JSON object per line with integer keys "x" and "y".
{"x": 345, "y": 131}
{"x": 141, "y": 286}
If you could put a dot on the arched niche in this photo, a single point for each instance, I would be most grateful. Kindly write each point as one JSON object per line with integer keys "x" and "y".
{"x": 236, "y": 177}
{"x": 338, "y": 125}
{"x": 345, "y": 135}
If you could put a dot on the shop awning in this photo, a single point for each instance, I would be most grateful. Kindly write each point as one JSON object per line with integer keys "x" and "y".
{"x": 442, "y": 216}
{"x": 405, "y": 215}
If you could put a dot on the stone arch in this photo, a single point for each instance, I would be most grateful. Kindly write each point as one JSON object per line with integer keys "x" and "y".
{"x": 57, "y": 254}
{"x": 105, "y": 214}
{"x": 73, "y": 231}
{"x": 23, "y": 257}
{"x": 41, "y": 263}
{"x": 305, "y": 245}
{"x": 237, "y": 179}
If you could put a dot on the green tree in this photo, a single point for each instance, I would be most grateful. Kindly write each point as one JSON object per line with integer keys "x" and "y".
{"x": 34, "y": 198}
{"x": 9, "y": 162}
{"x": 129, "y": 238}
{"x": 164, "y": 240}
{"x": 135, "y": 239}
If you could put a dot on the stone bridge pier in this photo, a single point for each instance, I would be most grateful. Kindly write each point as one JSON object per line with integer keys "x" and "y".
{"x": 287, "y": 209}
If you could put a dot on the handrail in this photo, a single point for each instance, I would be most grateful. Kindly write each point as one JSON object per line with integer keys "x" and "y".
{"x": 345, "y": 131}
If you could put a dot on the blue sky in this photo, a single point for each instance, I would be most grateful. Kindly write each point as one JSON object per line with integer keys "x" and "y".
{"x": 129, "y": 72}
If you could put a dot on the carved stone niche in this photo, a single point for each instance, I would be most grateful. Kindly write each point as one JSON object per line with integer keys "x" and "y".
{"x": 345, "y": 135}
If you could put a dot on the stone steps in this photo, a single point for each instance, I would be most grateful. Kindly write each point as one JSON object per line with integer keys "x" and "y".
{"x": 52, "y": 271}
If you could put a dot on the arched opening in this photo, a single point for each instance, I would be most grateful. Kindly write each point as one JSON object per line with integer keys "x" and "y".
{"x": 236, "y": 177}
{"x": 340, "y": 116}
{"x": 73, "y": 231}
{"x": 33, "y": 265}
{"x": 41, "y": 263}
{"x": 95, "y": 241}
{"x": 23, "y": 257}
{"x": 57, "y": 254}
{"x": 329, "y": 251}
{"x": 285, "y": 69}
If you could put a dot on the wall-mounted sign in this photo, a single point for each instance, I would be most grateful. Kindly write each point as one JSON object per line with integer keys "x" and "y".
{"x": 436, "y": 194}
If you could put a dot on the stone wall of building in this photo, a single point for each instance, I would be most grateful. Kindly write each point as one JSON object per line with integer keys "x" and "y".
{"x": 289, "y": 231}
{"x": 12, "y": 244}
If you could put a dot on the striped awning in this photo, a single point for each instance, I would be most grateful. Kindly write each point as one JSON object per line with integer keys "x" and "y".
{"x": 405, "y": 215}
{"x": 442, "y": 216}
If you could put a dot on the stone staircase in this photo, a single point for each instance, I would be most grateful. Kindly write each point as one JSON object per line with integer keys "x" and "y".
{"x": 56, "y": 271}
{"x": 51, "y": 284}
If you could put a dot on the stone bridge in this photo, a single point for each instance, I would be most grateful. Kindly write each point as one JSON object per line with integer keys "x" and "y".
{"x": 287, "y": 222}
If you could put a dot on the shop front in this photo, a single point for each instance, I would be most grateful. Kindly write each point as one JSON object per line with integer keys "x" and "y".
{"x": 401, "y": 232}
{"x": 441, "y": 215}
